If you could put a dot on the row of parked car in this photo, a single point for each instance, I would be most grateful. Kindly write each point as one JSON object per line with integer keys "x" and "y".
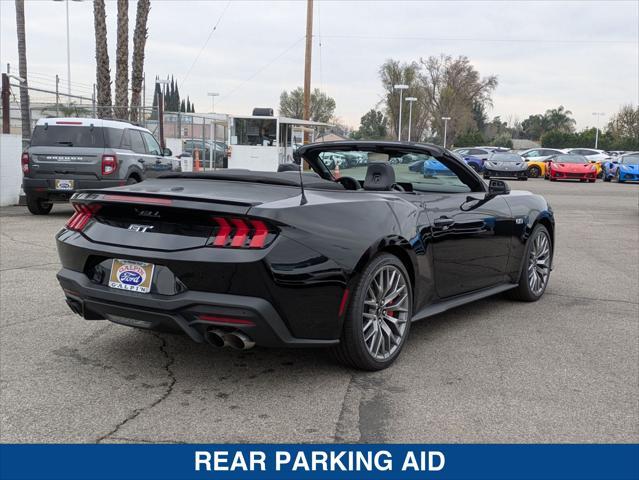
{"x": 586, "y": 164}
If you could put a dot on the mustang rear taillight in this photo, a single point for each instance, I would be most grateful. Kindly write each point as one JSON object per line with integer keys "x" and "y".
{"x": 83, "y": 213}
{"x": 25, "y": 163}
{"x": 109, "y": 164}
{"x": 238, "y": 232}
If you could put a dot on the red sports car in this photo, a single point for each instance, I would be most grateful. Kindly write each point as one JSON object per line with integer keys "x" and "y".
{"x": 570, "y": 167}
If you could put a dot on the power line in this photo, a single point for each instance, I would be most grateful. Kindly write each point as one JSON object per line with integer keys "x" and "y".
{"x": 470, "y": 39}
{"x": 205, "y": 43}
{"x": 264, "y": 67}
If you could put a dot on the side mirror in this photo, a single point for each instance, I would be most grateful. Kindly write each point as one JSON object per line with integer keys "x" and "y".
{"x": 167, "y": 152}
{"x": 498, "y": 187}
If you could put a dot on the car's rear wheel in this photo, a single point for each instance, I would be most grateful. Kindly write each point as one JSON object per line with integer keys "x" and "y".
{"x": 536, "y": 270}
{"x": 534, "y": 171}
{"x": 378, "y": 317}
{"x": 38, "y": 206}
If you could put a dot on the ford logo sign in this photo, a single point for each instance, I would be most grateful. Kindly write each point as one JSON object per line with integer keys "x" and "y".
{"x": 131, "y": 274}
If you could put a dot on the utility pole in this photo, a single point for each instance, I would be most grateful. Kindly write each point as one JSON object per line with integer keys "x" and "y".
{"x": 307, "y": 63}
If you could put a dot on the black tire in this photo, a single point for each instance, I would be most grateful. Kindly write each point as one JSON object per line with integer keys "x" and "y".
{"x": 38, "y": 206}
{"x": 132, "y": 180}
{"x": 534, "y": 171}
{"x": 352, "y": 350}
{"x": 475, "y": 167}
{"x": 523, "y": 291}
{"x": 486, "y": 177}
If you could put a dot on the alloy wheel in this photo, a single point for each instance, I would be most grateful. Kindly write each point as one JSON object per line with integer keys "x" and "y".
{"x": 539, "y": 263}
{"x": 385, "y": 312}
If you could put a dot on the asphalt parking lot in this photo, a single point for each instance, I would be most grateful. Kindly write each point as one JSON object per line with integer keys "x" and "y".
{"x": 565, "y": 369}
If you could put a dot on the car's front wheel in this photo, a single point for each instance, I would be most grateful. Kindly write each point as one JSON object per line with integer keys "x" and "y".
{"x": 536, "y": 269}
{"x": 38, "y": 206}
{"x": 378, "y": 317}
{"x": 534, "y": 171}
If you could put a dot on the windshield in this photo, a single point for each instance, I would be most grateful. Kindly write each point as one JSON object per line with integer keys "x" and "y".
{"x": 571, "y": 159}
{"x": 505, "y": 157}
{"x": 254, "y": 131}
{"x": 630, "y": 160}
{"x": 74, "y": 136}
{"x": 423, "y": 172}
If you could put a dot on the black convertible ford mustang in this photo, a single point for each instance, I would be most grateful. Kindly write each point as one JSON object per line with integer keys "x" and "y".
{"x": 305, "y": 259}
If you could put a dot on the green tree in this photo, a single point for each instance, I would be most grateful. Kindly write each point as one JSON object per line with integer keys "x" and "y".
{"x": 292, "y": 105}
{"x": 625, "y": 123}
{"x": 452, "y": 87}
{"x": 503, "y": 140}
{"x": 559, "y": 119}
{"x": 393, "y": 72}
{"x": 372, "y": 126}
{"x": 470, "y": 139}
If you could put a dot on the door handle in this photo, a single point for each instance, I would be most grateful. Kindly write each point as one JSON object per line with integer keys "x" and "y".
{"x": 443, "y": 222}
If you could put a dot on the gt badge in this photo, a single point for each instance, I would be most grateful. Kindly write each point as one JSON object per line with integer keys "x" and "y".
{"x": 140, "y": 228}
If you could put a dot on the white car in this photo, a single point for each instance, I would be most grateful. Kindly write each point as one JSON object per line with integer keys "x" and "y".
{"x": 592, "y": 154}
{"x": 540, "y": 154}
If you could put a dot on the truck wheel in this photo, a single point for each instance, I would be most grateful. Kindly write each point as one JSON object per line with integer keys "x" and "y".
{"x": 131, "y": 180}
{"x": 378, "y": 317}
{"x": 37, "y": 206}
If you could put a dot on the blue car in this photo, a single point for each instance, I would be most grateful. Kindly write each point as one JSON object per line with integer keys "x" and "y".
{"x": 475, "y": 163}
{"x": 434, "y": 168}
{"x": 624, "y": 168}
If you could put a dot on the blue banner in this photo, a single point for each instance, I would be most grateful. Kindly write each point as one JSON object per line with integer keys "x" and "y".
{"x": 271, "y": 461}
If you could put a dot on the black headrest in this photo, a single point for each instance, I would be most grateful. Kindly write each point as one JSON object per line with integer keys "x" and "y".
{"x": 379, "y": 176}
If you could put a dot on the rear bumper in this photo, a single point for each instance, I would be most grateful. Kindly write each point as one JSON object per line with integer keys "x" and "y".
{"x": 186, "y": 311}
{"x": 45, "y": 187}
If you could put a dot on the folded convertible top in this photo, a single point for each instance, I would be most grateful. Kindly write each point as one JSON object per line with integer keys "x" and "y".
{"x": 291, "y": 179}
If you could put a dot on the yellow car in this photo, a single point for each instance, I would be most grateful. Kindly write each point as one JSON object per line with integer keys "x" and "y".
{"x": 536, "y": 160}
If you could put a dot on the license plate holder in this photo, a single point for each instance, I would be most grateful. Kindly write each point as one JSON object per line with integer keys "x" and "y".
{"x": 131, "y": 275}
{"x": 64, "y": 184}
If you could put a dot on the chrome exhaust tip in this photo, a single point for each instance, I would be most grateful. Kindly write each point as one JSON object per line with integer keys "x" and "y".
{"x": 215, "y": 337}
{"x": 238, "y": 340}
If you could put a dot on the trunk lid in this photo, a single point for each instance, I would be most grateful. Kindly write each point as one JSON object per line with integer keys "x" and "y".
{"x": 178, "y": 214}
{"x": 49, "y": 160}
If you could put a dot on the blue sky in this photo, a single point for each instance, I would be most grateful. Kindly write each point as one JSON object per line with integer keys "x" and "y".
{"x": 584, "y": 55}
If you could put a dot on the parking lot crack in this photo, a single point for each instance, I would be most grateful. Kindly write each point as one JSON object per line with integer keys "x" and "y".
{"x": 170, "y": 360}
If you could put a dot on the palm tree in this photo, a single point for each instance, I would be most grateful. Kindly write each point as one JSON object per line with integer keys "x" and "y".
{"x": 122, "y": 62}
{"x": 559, "y": 119}
{"x": 137, "y": 62}
{"x": 103, "y": 71}
{"x": 22, "y": 61}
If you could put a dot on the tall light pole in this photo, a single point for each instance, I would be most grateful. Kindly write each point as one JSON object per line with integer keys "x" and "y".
{"x": 598, "y": 115}
{"x": 445, "y": 119}
{"x": 410, "y": 101}
{"x": 213, "y": 95}
{"x": 401, "y": 89}
{"x": 68, "y": 52}
{"x": 212, "y": 150}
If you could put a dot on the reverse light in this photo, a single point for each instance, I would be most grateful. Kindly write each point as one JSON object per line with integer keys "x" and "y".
{"x": 25, "y": 163}
{"x": 83, "y": 213}
{"x": 109, "y": 164}
{"x": 236, "y": 232}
